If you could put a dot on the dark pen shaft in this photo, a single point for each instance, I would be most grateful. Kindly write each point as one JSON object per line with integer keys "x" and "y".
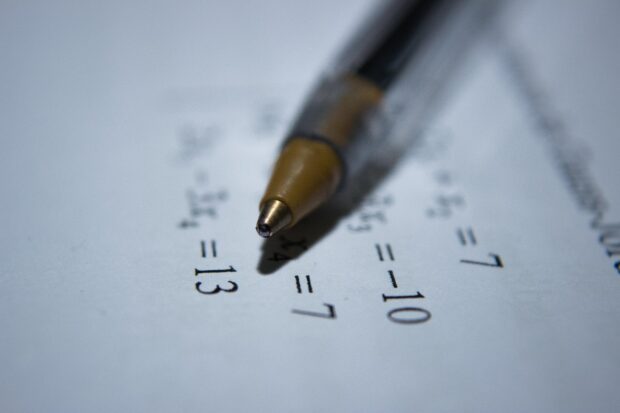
{"x": 386, "y": 60}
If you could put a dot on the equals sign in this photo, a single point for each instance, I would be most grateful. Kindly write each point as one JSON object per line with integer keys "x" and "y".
{"x": 203, "y": 249}
{"x": 466, "y": 237}
{"x": 388, "y": 249}
{"x": 308, "y": 283}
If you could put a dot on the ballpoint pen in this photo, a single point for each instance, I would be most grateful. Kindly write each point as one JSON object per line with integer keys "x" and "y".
{"x": 325, "y": 143}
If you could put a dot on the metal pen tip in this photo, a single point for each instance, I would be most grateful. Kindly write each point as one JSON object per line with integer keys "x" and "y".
{"x": 274, "y": 217}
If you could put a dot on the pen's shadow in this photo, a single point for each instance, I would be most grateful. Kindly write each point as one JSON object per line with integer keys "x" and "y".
{"x": 293, "y": 243}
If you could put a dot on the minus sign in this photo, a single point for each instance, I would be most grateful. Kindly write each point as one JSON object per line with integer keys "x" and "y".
{"x": 393, "y": 279}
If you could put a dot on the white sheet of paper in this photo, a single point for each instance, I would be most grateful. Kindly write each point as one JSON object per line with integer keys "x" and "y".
{"x": 482, "y": 275}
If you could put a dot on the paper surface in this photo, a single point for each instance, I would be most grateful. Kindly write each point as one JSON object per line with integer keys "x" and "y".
{"x": 481, "y": 275}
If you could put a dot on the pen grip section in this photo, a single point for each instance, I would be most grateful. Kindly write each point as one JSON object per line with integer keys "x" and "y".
{"x": 336, "y": 110}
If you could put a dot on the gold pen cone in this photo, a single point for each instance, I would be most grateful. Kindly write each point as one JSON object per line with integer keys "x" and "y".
{"x": 306, "y": 174}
